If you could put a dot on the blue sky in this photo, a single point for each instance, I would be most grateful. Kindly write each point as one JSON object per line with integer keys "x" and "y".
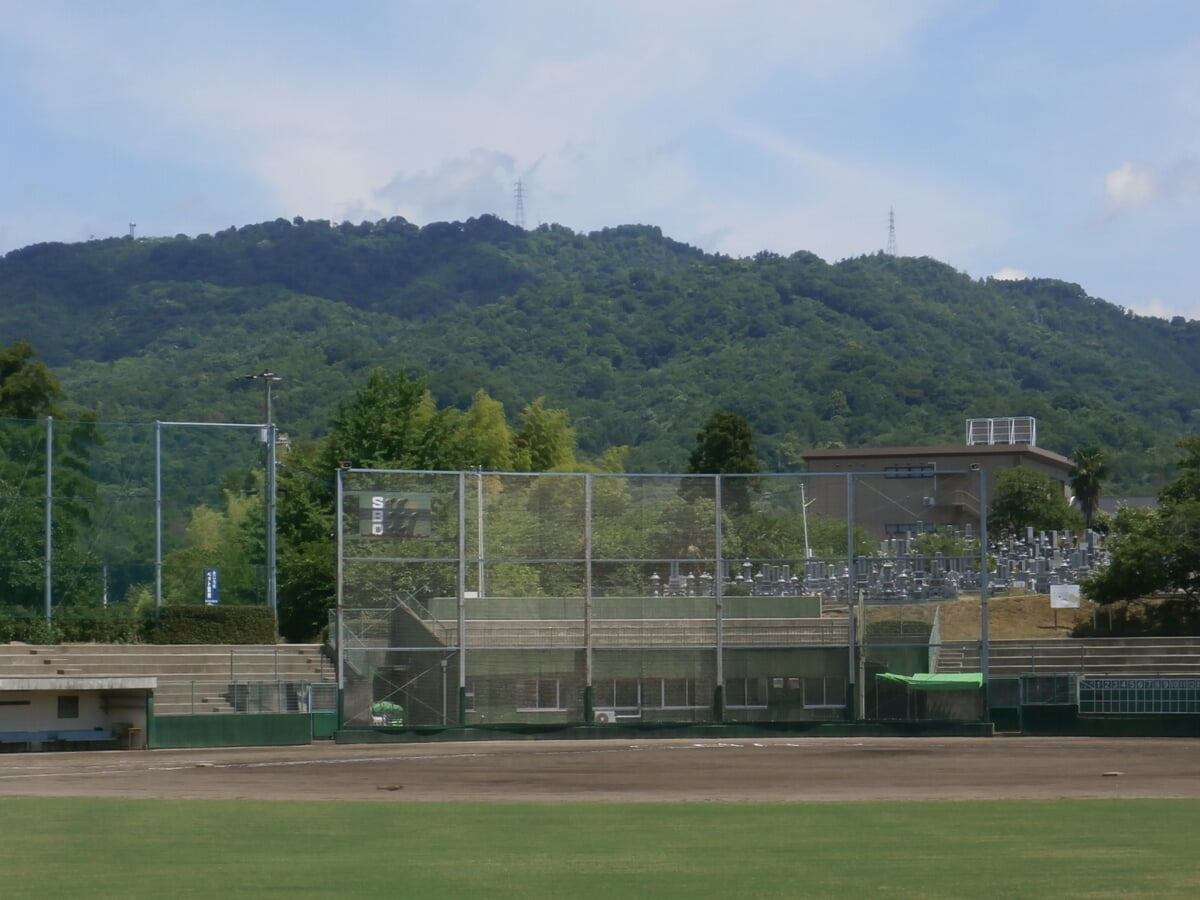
{"x": 1058, "y": 138}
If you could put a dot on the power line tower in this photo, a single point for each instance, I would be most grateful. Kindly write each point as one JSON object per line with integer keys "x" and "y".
{"x": 891, "y": 244}
{"x": 519, "y": 196}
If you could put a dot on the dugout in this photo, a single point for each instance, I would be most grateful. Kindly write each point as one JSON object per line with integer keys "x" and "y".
{"x": 946, "y": 696}
{"x": 74, "y": 713}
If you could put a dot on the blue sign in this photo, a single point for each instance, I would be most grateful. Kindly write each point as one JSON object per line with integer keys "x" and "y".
{"x": 211, "y": 587}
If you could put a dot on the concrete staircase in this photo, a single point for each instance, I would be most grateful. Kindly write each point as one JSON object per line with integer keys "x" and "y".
{"x": 958, "y": 659}
{"x": 192, "y": 678}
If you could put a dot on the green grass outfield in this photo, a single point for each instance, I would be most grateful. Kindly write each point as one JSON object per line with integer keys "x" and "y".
{"x": 230, "y": 849}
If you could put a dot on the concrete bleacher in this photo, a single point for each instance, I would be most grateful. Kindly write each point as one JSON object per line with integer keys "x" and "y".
{"x": 1089, "y": 657}
{"x": 516, "y": 634}
{"x": 192, "y": 678}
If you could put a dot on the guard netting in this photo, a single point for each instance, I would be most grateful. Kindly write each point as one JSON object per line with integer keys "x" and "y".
{"x": 550, "y": 599}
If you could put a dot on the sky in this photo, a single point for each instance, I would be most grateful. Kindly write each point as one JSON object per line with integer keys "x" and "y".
{"x": 1047, "y": 138}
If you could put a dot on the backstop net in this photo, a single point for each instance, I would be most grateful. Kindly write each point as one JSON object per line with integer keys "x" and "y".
{"x": 481, "y": 598}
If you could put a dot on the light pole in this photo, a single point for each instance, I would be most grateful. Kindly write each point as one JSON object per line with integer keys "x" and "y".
{"x": 268, "y": 436}
{"x": 267, "y": 378}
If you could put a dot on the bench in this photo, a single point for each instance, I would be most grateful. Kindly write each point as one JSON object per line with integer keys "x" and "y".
{"x": 29, "y": 738}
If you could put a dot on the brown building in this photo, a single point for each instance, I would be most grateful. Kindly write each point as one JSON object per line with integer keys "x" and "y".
{"x": 896, "y": 490}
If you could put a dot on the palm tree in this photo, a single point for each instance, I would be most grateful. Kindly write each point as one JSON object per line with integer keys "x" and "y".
{"x": 1089, "y": 470}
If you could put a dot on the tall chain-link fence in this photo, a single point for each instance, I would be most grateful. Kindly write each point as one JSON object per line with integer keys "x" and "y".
{"x": 550, "y": 599}
{"x": 100, "y": 514}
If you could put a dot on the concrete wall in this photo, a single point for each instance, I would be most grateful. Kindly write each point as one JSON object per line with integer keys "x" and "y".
{"x": 38, "y": 711}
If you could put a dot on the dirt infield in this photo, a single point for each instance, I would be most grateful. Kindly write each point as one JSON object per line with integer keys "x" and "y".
{"x": 652, "y": 771}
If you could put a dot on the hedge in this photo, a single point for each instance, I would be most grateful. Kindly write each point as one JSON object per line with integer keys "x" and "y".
{"x": 211, "y": 625}
{"x": 121, "y": 625}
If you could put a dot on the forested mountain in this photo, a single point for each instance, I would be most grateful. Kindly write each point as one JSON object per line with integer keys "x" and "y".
{"x": 638, "y": 336}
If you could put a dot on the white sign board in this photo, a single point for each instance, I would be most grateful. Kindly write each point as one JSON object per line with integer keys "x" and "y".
{"x": 1064, "y": 596}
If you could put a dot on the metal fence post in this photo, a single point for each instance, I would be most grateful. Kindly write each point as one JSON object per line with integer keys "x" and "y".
{"x": 984, "y": 660}
{"x": 462, "y": 597}
{"x": 857, "y": 701}
{"x": 158, "y": 517}
{"x": 719, "y": 611}
{"x": 588, "y": 691}
{"x": 339, "y": 626}
{"x": 48, "y": 574}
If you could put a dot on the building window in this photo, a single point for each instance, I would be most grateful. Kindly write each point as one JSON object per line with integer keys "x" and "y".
{"x": 538, "y": 694}
{"x": 617, "y": 693}
{"x": 909, "y": 527}
{"x": 824, "y": 691}
{"x": 68, "y": 706}
{"x": 921, "y": 470}
{"x": 744, "y": 693}
{"x": 669, "y": 693}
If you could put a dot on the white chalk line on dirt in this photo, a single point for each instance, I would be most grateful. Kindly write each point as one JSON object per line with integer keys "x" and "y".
{"x": 186, "y": 765}
{"x": 424, "y": 757}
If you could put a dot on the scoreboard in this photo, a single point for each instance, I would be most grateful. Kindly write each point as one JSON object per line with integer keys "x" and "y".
{"x": 395, "y": 514}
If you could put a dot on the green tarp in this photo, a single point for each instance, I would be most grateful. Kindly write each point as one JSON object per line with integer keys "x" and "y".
{"x": 391, "y": 713}
{"x": 945, "y": 681}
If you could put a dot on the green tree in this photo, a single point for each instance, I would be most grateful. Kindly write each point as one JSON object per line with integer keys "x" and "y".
{"x": 1186, "y": 484}
{"x": 485, "y": 438}
{"x": 545, "y": 442}
{"x": 1087, "y": 478}
{"x": 1156, "y": 551}
{"x": 391, "y": 422}
{"x": 780, "y": 538}
{"x": 227, "y": 540}
{"x": 28, "y": 389}
{"x": 945, "y": 542}
{"x": 725, "y": 446}
{"x": 1027, "y": 498}
{"x": 29, "y": 392}
{"x": 307, "y": 555}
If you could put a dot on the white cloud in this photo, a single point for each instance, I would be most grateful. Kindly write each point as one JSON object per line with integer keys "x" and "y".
{"x": 1132, "y": 185}
{"x": 778, "y": 124}
{"x": 1010, "y": 274}
{"x": 1156, "y": 306}
{"x": 458, "y": 189}
{"x": 1129, "y": 186}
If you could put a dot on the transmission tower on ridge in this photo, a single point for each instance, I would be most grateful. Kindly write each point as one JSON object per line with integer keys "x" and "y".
{"x": 891, "y": 244}
{"x": 519, "y": 196}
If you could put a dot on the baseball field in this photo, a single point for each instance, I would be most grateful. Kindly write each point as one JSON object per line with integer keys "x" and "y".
{"x": 915, "y": 817}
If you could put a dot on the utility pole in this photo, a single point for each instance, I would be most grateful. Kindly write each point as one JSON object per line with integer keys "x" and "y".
{"x": 269, "y": 438}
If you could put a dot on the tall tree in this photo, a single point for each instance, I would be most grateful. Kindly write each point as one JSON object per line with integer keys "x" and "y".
{"x": 1027, "y": 498}
{"x": 725, "y": 446}
{"x": 1157, "y": 551}
{"x": 545, "y": 442}
{"x": 485, "y": 438}
{"x": 1087, "y": 477}
{"x": 388, "y": 423}
{"x": 393, "y": 422}
{"x": 28, "y": 389}
{"x": 1186, "y": 484}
